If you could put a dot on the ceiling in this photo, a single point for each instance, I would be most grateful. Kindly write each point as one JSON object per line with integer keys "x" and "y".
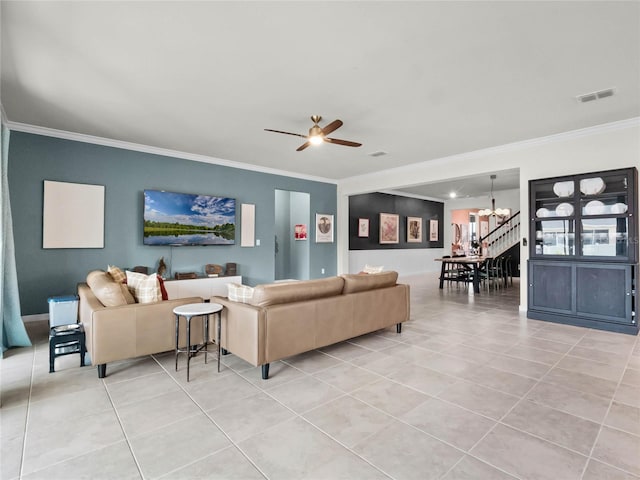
{"x": 419, "y": 80}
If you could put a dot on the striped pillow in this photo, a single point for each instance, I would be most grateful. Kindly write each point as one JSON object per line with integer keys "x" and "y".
{"x": 118, "y": 275}
{"x": 145, "y": 288}
{"x": 239, "y": 293}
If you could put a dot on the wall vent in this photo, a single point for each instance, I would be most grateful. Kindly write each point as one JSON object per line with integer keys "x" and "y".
{"x": 590, "y": 97}
{"x": 379, "y": 153}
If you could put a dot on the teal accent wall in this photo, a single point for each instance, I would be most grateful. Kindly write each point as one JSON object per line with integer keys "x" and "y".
{"x": 125, "y": 175}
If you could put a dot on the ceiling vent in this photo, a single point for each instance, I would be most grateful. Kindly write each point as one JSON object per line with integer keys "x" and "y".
{"x": 590, "y": 97}
{"x": 379, "y": 153}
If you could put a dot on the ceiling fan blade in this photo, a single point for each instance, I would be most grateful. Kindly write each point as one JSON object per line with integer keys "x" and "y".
{"x": 346, "y": 143}
{"x": 303, "y": 146}
{"x": 333, "y": 126}
{"x": 286, "y": 133}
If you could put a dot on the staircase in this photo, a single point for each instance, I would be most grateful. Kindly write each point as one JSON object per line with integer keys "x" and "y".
{"x": 502, "y": 238}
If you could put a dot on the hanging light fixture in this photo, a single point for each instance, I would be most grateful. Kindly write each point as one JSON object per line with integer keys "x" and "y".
{"x": 498, "y": 212}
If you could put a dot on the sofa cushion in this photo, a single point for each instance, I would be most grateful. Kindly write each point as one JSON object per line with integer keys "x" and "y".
{"x": 239, "y": 293}
{"x": 359, "y": 283}
{"x": 278, "y": 293}
{"x": 118, "y": 275}
{"x": 110, "y": 293}
{"x": 145, "y": 288}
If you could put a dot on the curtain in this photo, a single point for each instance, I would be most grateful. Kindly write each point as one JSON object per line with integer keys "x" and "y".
{"x": 13, "y": 332}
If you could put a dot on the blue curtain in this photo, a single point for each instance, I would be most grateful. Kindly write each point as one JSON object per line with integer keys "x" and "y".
{"x": 13, "y": 331}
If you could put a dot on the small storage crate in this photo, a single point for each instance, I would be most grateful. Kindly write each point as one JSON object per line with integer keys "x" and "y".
{"x": 63, "y": 310}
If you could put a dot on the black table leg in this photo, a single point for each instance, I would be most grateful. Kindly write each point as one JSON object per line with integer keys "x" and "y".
{"x": 442, "y": 274}
{"x": 476, "y": 279}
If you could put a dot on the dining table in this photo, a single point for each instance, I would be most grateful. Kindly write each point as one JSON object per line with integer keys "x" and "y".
{"x": 471, "y": 262}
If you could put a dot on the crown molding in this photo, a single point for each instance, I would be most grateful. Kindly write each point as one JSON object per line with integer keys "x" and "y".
{"x": 508, "y": 147}
{"x": 399, "y": 193}
{"x": 137, "y": 147}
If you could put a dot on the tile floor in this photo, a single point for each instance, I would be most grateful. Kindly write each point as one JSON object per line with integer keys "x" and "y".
{"x": 471, "y": 389}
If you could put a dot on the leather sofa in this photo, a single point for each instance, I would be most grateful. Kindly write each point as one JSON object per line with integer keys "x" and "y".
{"x": 285, "y": 319}
{"x": 131, "y": 330}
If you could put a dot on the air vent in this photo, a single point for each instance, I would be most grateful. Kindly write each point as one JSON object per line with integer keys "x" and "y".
{"x": 379, "y": 153}
{"x": 590, "y": 97}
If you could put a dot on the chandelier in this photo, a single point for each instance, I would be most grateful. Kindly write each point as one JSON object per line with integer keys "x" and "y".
{"x": 498, "y": 212}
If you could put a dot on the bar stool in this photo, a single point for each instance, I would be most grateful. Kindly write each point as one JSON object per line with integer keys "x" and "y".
{"x": 188, "y": 312}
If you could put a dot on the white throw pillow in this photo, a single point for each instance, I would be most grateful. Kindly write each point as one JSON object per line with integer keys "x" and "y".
{"x": 239, "y": 293}
{"x": 144, "y": 288}
{"x": 372, "y": 269}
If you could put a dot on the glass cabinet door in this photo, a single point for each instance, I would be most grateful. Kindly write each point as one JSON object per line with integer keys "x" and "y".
{"x": 554, "y": 217}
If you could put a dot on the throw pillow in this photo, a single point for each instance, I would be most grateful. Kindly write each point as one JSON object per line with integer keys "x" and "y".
{"x": 163, "y": 290}
{"x": 108, "y": 292}
{"x": 145, "y": 288}
{"x": 239, "y": 293}
{"x": 118, "y": 275}
{"x": 372, "y": 269}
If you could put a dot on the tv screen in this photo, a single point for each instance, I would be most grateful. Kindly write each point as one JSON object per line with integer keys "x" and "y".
{"x": 179, "y": 219}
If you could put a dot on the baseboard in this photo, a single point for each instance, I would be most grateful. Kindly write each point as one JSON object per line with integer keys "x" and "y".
{"x": 35, "y": 318}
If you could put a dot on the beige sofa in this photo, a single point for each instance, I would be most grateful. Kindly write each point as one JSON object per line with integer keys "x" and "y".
{"x": 131, "y": 330}
{"x": 285, "y": 319}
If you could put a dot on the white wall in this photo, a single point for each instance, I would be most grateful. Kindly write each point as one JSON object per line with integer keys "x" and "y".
{"x": 610, "y": 146}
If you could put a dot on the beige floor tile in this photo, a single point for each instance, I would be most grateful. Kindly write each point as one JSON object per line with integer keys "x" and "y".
{"x": 520, "y": 366}
{"x": 380, "y": 363}
{"x": 404, "y": 452}
{"x": 411, "y": 353}
{"x": 48, "y": 385}
{"x": 12, "y": 431}
{"x": 499, "y": 380}
{"x": 449, "y": 423}
{"x": 618, "y": 343}
{"x": 82, "y": 403}
{"x": 581, "y": 404}
{"x": 485, "y": 401}
{"x": 624, "y": 417}
{"x": 345, "y": 350}
{"x": 631, "y": 377}
{"x": 470, "y": 468}
{"x": 589, "y": 367}
{"x": 133, "y": 368}
{"x": 151, "y": 413}
{"x": 292, "y": 449}
{"x": 279, "y": 373}
{"x": 312, "y": 362}
{"x": 594, "y": 355}
{"x": 220, "y": 392}
{"x": 582, "y": 382}
{"x": 345, "y": 467}
{"x": 628, "y": 394}
{"x": 137, "y": 389}
{"x": 490, "y": 345}
{"x": 373, "y": 341}
{"x": 475, "y": 355}
{"x": 177, "y": 445}
{"x": 304, "y": 394}
{"x": 422, "y": 379}
{"x": 558, "y": 427}
{"x": 525, "y": 456}
{"x": 390, "y": 397}
{"x": 348, "y": 420}
{"x": 249, "y": 417}
{"x": 618, "y": 448}
{"x": 599, "y": 471}
{"x": 228, "y": 464}
{"x": 546, "y": 344}
{"x": 43, "y": 445}
{"x": 113, "y": 461}
{"x": 526, "y": 352}
{"x": 450, "y": 365}
{"x": 347, "y": 377}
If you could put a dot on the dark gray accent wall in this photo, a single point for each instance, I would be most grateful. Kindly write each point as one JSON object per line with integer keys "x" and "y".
{"x": 125, "y": 175}
{"x": 370, "y": 205}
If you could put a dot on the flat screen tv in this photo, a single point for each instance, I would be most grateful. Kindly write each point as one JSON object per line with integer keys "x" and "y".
{"x": 180, "y": 219}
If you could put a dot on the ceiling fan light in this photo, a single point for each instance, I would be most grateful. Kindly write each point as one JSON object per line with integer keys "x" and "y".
{"x": 315, "y": 140}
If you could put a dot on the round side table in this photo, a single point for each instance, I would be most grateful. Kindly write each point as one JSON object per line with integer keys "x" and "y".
{"x": 188, "y": 312}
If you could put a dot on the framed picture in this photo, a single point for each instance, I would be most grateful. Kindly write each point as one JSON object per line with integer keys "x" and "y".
{"x": 324, "y": 228}
{"x": 433, "y": 230}
{"x": 363, "y": 227}
{"x": 414, "y": 229}
{"x": 300, "y": 232}
{"x": 389, "y": 228}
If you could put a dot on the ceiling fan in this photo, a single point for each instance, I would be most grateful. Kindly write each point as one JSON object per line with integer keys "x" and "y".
{"x": 318, "y": 134}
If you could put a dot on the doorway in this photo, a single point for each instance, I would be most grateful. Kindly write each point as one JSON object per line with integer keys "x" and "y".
{"x": 292, "y": 235}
